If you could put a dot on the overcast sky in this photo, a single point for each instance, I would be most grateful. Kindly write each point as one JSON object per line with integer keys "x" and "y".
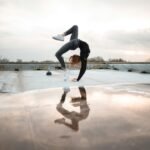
{"x": 113, "y": 28}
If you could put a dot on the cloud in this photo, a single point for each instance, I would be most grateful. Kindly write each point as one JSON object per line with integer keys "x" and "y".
{"x": 110, "y": 26}
{"x": 137, "y": 39}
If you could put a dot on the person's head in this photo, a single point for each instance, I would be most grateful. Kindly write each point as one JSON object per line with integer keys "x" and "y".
{"x": 74, "y": 59}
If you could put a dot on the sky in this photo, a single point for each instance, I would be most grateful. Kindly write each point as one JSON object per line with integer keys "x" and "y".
{"x": 112, "y": 28}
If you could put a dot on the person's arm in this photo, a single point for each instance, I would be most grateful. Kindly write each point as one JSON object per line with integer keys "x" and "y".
{"x": 83, "y": 69}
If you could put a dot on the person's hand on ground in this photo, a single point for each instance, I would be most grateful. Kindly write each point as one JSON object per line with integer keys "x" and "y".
{"x": 74, "y": 80}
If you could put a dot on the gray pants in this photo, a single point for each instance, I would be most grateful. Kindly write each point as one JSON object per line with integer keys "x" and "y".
{"x": 71, "y": 45}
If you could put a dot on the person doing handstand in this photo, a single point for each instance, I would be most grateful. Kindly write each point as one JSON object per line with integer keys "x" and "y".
{"x": 73, "y": 44}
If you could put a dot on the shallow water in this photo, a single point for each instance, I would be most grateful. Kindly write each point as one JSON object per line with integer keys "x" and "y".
{"x": 76, "y": 118}
{"x": 16, "y": 82}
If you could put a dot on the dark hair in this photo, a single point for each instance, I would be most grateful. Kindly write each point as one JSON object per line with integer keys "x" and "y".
{"x": 74, "y": 59}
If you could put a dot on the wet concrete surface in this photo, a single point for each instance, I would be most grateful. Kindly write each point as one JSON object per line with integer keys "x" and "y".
{"x": 86, "y": 118}
{"x": 15, "y": 82}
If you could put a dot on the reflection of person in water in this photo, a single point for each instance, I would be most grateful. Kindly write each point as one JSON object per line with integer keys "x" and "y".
{"x": 75, "y": 117}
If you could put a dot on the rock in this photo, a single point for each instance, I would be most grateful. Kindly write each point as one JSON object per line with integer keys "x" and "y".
{"x": 48, "y": 73}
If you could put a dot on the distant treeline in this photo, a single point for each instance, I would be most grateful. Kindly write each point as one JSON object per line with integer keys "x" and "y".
{"x": 100, "y": 59}
{"x": 5, "y": 60}
{"x": 97, "y": 59}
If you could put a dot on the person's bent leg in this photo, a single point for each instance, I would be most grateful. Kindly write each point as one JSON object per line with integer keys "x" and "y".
{"x": 60, "y": 58}
{"x": 63, "y": 50}
{"x": 73, "y": 31}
